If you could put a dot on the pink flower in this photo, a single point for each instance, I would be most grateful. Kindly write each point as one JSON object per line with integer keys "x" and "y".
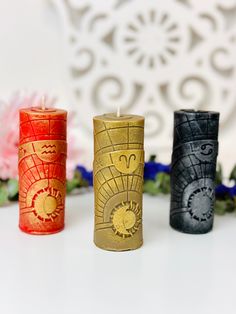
{"x": 9, "y": 131}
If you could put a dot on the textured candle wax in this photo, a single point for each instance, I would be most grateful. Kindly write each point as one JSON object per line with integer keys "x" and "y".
{"x": 118, "y": 181}
{"x": 42, "y": 170}
{"x": 193, "y": 171}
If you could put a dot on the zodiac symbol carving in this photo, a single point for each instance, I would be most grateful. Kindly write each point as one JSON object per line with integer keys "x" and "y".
{"x": 209, "y": 151}
{"x": 127, "y": 160}
{"x": 49, "y": 152}
{"x": 48, "y": 146}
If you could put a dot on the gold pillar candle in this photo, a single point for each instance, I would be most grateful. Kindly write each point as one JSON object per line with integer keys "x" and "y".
{"x": 118, "y": 181}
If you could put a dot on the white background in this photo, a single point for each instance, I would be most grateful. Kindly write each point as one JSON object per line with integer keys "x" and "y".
{"x": 31, "y": 48}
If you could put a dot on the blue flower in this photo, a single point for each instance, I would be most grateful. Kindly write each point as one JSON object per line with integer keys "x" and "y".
{"x": 232, "y": 191}
{"x": 86, "y": 175}
{"x": 222, "y": 190}
{"x": 152, "y": 168}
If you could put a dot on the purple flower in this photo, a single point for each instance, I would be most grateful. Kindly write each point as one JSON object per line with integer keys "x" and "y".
{"x": 152, "y": 168}
{"x": 86, "y": 175}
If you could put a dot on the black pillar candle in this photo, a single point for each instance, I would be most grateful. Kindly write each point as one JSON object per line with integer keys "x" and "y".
{"x": 193, "y": 170}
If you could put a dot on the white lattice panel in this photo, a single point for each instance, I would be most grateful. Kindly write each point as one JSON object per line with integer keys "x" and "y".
{"x": 150, "y": 57}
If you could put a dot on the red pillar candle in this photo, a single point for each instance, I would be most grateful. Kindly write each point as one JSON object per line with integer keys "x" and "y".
{"x": 42, "y": 170}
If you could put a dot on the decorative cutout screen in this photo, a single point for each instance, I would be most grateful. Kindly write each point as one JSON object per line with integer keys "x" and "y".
{"x": 151, "y": 57}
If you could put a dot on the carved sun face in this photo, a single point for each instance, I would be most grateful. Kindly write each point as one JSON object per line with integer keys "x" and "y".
{"x": 47, "y": 204}
{"x": 201, "y": 204}
{"x": 126, "y": 219}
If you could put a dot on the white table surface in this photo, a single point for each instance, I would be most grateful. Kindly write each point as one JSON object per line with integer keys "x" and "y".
{"x": 65, "y": 273}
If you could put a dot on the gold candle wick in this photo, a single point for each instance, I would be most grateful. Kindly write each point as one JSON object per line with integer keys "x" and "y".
{"x": 43, "y": 103}
{"x": 118, "y": 111}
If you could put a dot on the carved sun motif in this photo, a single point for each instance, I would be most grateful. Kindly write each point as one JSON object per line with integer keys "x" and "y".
{"x": 201, "y": 203}
{"x": 152, "y": 39}
{"x": 126, "y": 219}
{"x": 47, "y": 204}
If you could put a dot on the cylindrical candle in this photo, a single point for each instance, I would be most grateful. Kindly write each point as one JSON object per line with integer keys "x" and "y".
{"x": 118, "y": 181}
{"x": 195, "y": 151}
{"x": 42, "y": 170}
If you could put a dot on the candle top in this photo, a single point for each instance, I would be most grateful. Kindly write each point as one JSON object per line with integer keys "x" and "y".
{"x": 43, "y": 111}
{"x": 112, "y": 117}
{"x": 196, "y": 112}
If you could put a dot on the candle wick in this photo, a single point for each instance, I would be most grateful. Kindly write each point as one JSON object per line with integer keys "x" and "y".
{"x": 118, "y": 111}
{"x": 43, "y": 103}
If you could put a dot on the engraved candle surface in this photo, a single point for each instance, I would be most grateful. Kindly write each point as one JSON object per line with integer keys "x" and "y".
{"x": 193, "y": 171}
{"x": 42, "y": 170}
{"x": 118, "y": 181}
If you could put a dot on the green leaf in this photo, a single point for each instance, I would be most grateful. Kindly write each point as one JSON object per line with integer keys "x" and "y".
{"x": 220, "y": 207}
{"x": 163, "y": 182}
{"x": 84, "y": 183}
{"x": 72, "y": 184}
{"x": 166, "y": 183}
{"x": 13, "y": 188}
{"x": 3, "y": 194}
{"x": 230, "y": 205}
{"x": 219, "y": 174}
{"x": 150, "y": 187}
{"x": 152, "y": 158}
{"x": 233, "y": 174}
{"x": 78, "y": 175}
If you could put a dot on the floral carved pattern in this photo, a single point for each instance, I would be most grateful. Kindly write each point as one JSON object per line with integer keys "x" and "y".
{"x": 152, "y": 39}
{"x": 151, "y": 57}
